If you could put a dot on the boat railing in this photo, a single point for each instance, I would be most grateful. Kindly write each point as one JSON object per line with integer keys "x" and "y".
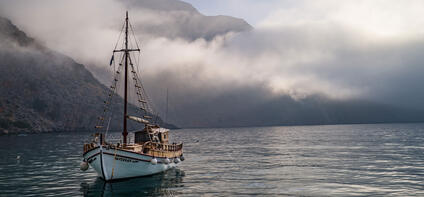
{"x": 148, "y": 146}
{"x": 89, "y": 146}
{"x": 164, "y": 147}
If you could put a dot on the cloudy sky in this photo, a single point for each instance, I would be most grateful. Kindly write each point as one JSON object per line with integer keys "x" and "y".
{"x": 365, "y": 48}
{"x": 375, "y": 16}
{"x": 350, "y": 49}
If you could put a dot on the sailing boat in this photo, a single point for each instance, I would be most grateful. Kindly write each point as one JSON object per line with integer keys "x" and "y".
{"x": 150, "y": 152}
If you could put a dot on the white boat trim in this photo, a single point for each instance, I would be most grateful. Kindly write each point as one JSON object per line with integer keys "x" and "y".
{"x": 113, "y": 164}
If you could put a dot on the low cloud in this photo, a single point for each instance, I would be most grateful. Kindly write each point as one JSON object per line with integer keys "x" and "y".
{"x": 337, "y": 49}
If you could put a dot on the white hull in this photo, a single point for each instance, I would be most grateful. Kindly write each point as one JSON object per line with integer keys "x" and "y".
{"x": 112, "y": 164}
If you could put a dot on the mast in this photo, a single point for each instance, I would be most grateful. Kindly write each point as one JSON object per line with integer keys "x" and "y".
{"x": 125, "y": 132}
{"x": 126, "y": 52}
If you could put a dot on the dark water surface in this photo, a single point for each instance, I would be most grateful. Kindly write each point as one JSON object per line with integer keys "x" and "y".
{"x": 339, "y": 160}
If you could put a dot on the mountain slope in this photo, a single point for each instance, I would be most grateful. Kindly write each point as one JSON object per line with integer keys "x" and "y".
{"x": 177, "y": 19}
{"x": 42, "y": 90}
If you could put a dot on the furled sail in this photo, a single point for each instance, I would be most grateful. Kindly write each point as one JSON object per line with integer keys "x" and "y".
{"x": 137, "y": 119}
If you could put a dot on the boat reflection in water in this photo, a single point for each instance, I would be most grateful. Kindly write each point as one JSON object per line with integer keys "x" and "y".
{"x": 158, "y": 184}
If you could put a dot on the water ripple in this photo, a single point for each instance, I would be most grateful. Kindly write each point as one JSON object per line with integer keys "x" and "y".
{"x": 339, "y": 160}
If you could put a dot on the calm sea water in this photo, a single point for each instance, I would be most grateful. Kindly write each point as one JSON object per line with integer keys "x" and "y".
{"x": 339, "y": 160}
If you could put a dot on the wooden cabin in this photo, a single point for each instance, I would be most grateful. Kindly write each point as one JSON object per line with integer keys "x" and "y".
{"x": 151, "y": 133}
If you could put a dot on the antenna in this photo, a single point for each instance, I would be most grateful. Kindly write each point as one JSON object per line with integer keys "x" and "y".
{"x": 166, "y": 113}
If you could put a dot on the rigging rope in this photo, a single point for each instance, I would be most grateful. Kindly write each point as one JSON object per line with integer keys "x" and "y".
{"x": 150, "y": 108}
{"x": 135, "y": 38}
{"x": 119, "y": 37}
{"x": 146, "y": 104}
